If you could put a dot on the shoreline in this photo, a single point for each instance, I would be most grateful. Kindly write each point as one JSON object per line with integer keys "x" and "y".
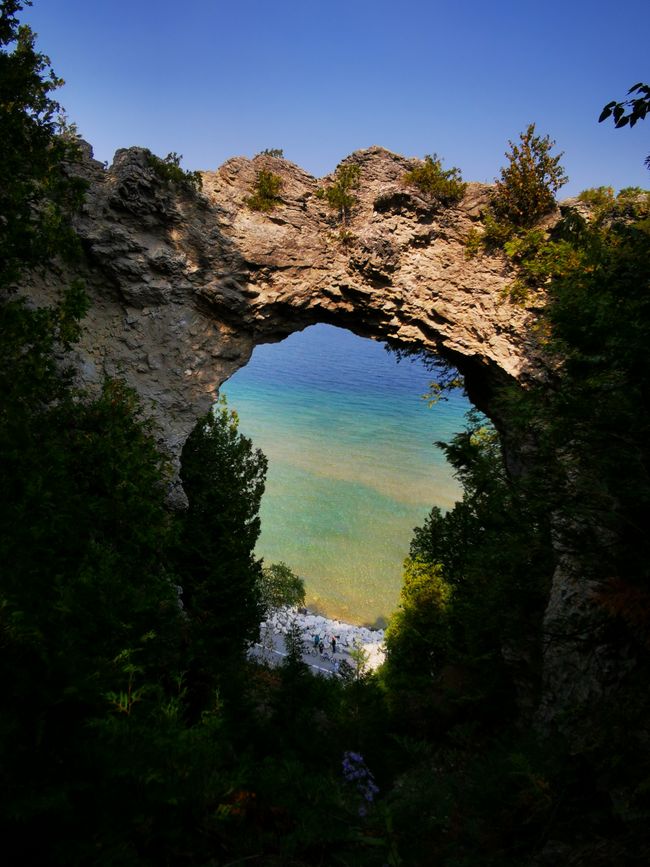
{"x": 348, "y": 637}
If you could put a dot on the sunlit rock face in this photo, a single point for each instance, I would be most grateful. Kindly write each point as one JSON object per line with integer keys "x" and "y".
{"x": 184, "y": 285}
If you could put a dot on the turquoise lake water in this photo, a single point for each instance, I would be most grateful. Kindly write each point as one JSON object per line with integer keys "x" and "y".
{"x": 352, "y": 463}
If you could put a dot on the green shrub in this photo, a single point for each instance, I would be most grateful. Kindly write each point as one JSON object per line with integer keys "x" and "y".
{"x": 597, "y": 197}
{"x": 339, "y": 195}
{"x": 631, "y": 202}
{"x": 444, "y": 185}
{"x": 346, "y": 238}
{"x": 271, "y": 152}
{"x": 473, "y": 243}
{"x": 631, "y": 192}
{"x": 265, "y": 192}
{"x": 169, "y": 170}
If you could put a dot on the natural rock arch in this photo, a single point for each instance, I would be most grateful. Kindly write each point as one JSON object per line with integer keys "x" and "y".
{"x": 184, "y": 285}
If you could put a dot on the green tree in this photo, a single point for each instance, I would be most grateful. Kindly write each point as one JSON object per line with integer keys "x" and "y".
{"x": 477, "y": 579}
{"x": 339, "y": 195}
{"x": 526, "y": 190}
{"x": 418, "y": 634}
{"x": 281, "y": 587}
{"x": 594, "y": 410}
{"x": 223, "y": 476}
{"x": 85, "y": 584}
{"x": 36, "y": 192}
{"x": 95, "y": 745}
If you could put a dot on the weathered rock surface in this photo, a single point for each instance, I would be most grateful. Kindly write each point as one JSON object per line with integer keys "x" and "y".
{"x": 184, "y": 285}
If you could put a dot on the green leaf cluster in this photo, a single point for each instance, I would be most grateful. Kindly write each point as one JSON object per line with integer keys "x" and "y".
{"x": 265, "y": 192}
{"x": 630, "y": 110}
{"x": 443, "y": 185}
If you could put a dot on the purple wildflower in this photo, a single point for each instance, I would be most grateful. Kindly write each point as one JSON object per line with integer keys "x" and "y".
{"x": 356, "y": 771}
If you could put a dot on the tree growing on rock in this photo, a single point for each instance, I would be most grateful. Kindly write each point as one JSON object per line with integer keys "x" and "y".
{"x": 442, "y": 185}
{"x": 339, "y": 195}
{"x": 265, "y": 193}
{"x": 526, "y": 190}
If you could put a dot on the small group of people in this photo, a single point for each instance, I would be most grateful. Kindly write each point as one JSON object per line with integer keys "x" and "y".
{"x": 319, "y": 643}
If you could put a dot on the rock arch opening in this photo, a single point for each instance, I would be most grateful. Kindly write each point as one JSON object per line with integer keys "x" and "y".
{"x": 352, "y": 463}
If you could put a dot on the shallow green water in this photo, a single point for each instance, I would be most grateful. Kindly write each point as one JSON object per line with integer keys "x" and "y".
{"x": 352, "y": 462}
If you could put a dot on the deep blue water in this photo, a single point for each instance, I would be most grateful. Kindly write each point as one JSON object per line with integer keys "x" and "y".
{"x": 352, "y": 462}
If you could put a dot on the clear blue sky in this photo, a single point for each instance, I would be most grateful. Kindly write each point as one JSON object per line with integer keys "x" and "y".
{"x": 217, "y": 78}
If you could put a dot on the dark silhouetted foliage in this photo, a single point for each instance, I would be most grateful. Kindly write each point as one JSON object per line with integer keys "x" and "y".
{"x": 169, "y": 170}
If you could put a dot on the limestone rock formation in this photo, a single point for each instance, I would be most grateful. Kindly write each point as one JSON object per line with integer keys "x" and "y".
{"x": 183, "y": 285}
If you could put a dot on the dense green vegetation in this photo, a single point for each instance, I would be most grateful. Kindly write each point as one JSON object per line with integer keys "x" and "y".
{"x": 135, "y": 732}
{"x": 442, "y": 185}
{"x": 280, "y": 586}
{"x": 34, "y": 190}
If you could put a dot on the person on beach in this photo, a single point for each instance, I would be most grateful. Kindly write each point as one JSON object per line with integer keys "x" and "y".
{"x": 321, "y": 647}
{"x": 333, "y": 643}
{"x": 316, "y": 640}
